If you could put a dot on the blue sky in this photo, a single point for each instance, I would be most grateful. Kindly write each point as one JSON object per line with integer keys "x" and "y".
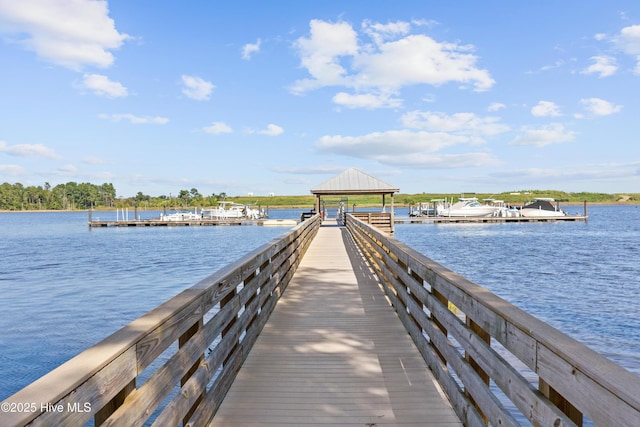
{"x": 277, "y": 97}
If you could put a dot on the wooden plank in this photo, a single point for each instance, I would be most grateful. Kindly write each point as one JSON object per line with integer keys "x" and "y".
{"x": 333, "y": 329}
{"x": 97, "y": 392}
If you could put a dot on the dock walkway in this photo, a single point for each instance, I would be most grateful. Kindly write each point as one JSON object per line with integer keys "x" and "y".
{"x": 334, "y": 353}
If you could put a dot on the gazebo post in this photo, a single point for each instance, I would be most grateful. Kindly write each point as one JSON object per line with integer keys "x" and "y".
{"x": 318, "y": 204}
{"x": 393, "y": 214}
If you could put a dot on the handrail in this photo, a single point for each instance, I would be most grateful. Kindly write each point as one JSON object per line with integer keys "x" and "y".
{"x": 199, "y": 339}
{"x": 572, "y": 379}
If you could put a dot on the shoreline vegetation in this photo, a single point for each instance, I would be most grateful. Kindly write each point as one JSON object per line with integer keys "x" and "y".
{"x": 86, "y": 196}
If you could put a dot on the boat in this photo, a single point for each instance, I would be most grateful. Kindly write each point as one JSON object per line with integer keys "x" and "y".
{"x": 466, "y": 207}
{"x": 504, "y": 210}
{"x": 422, "y": 209}
{"x": 231, "y": 210}
{"x": 541, "y": 207}
{"x": 180, "y": 216}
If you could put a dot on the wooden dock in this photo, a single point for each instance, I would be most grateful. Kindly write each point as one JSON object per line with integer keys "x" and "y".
{"x": 334, "y": 353}
{"x": 191, "y": 223}
{"x": 486, "y": 219}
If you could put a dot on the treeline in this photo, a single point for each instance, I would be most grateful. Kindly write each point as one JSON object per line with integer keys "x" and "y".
{"x": 67, "y": 196}
{"x": 73, "y": 195}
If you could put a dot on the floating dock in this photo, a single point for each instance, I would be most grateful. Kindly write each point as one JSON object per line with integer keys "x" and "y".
{"x": 292, "y": 222}
{"x": 486, "y": 219}
{"x": 198, "y": 222}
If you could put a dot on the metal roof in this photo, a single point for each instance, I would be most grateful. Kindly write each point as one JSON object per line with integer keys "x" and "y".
{"x": 354, "y": 181}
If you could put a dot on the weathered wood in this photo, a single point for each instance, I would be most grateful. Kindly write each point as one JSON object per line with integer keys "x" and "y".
{"x": 382, "y": 221}
{"x": 581, "y": 379}
{"x": 182, "y": 341}
{"x": 114, "y": 404}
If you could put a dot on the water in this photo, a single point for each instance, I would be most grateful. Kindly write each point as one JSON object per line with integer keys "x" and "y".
{"x": 581, "y": 278}
{"x": 64, "y": 287}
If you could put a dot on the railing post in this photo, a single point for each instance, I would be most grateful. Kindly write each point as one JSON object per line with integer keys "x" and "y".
{"x": 182, "y": 341}
{"x": 486, "y": 337}
{"x": 224, "y": 301}
{"x": 117, "y": 401}
{"x": 440, "y": 297}
{"x": 558, "y": 400}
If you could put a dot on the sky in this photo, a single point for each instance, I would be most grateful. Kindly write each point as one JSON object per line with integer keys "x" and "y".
{"x": 260, "y": 98}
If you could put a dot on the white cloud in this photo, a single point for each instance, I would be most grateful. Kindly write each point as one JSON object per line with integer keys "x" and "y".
{"x": 600, "y": 107}
{"x": 389, "y": 143}
{"x": 460, "y": 123}
{"x": 217, "y": 128}
{"x": 250, "y": 48}
{"x": 70, "y": 33}
{"x": 604, "y": 66}
{"x": 419, "y": 59}
{"x": 11, "y": 170}
{"x": 197, "y": 88}
{"x": 629, "y": 42}
{"x": 441, "y": 161}
{"x": 272, "y": 130}
{"x": 333, "y": 56}
{"x": 102, "y": 86}
{"x": 496, "y": 106}
{"x": 67, "y": 170}
{"x": 92, "y": 160}
{"x": 406, "y": 149}
{"x": 309, "y": 170}
{"x": 321, "y": 52}
{"x": 546, "y": 109}
{"x": 28, "y": 150}
{"x": 366, "y": 100}
{"x": 381, "y": 32}
{"x": 136, "y": 120}
{"x": 545, "y": 135}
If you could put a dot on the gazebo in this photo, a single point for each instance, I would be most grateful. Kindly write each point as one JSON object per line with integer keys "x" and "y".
{"x": 355, "y": 182}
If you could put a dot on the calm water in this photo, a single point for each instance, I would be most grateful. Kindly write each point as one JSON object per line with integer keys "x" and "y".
{"x": 64, "y": 287}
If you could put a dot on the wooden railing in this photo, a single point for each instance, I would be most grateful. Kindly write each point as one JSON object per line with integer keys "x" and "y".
{"x": 476, "y": 343}
{"x": 190, "y": 349}
{"x": 381, "y": 220}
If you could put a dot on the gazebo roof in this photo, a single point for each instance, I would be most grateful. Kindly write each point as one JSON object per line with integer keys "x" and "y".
{"x": 354, "y": 181}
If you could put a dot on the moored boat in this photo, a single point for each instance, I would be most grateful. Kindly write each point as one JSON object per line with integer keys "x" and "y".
{"x": 466, "y": 207}
{"x": 180, "y": 216}
{"x": 541, "y": 207}
{"x": 231, "y": 210}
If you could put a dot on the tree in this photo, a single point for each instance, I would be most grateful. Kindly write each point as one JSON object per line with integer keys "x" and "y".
{"x": 140, "y": 197}
{"x": 184, "y": 196}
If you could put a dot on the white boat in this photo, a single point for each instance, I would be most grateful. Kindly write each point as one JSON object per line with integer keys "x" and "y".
{"x": 466, "y": 207}
{"x": 180, "y": 216}
{"x": 422, "y": 209}
{"x": 504, "y": 210}
{"x": 231, "y": 210}
{"x": 541, "y": 207}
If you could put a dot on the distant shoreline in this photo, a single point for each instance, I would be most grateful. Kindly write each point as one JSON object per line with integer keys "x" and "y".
{"x": 397, "y": 205}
